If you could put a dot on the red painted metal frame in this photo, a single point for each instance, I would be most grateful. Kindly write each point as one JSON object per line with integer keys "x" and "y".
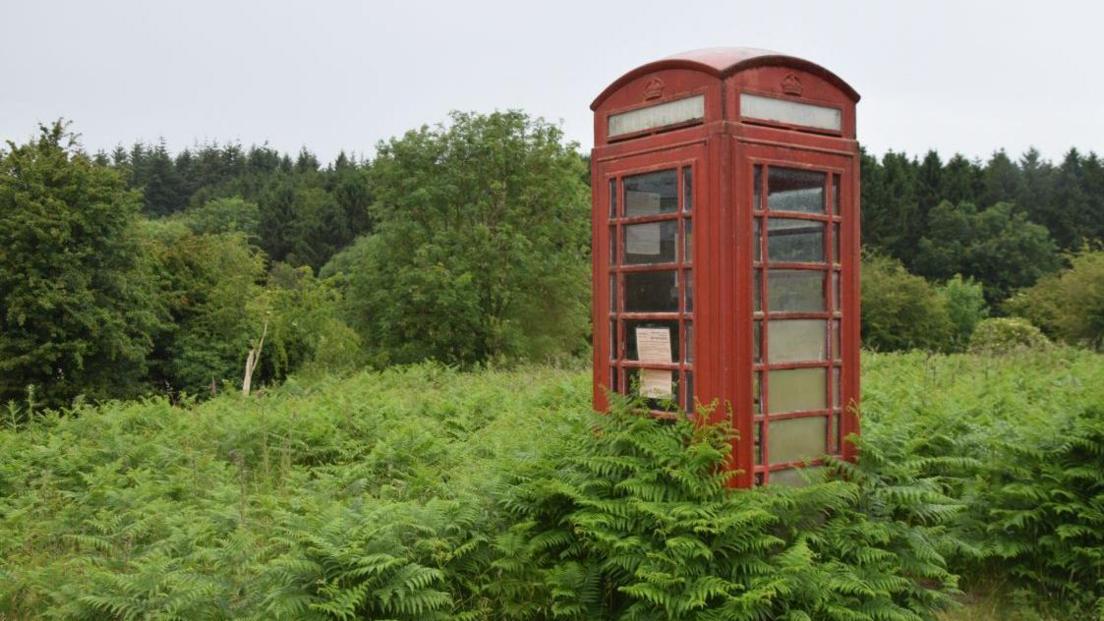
{"x": 722, "y": 150}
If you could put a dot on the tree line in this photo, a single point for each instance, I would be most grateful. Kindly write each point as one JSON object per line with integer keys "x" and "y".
{"x": 140, "y": 270}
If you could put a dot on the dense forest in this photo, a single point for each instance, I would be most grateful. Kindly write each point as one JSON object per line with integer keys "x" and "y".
{"x": 143, "y": 270}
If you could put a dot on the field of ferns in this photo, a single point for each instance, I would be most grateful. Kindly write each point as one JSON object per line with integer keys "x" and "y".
{"x": 428, "y": 493}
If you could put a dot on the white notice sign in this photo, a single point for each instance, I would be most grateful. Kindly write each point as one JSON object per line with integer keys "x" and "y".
{"x": 642, "y": 239}
{"x": 653, "y": 345}
{"x": 655, "y": 384}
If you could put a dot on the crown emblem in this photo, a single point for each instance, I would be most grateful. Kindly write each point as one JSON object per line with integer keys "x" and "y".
{"x": 791, "y": 85}
{"x": 653, "y": 89}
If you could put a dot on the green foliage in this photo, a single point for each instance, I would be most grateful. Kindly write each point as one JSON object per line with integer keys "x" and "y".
{"x": 369, "y": 497}
{"x": 1069, "y": 305}
{"x": 1017, "y": 439}
{"x": 425, "y": 493}
{"x": 997, "y": 246}
{"x": 965, "y": 300}
{"x": 480, "y": 245}
{"x": 900, "y": 310}
{"x": 77, "y": 296}
{"x": 635, "y": 522}
{"x": 208, "y": 283}
{"x": 1005, "y": 335}
{"x": 224, "y": 215}
{"x": 306, "y": 332}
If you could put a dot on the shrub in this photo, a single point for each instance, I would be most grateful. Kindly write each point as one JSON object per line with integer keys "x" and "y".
{"x": 965, "y": 300}
{"x": 1004, "y": 335}
{"x": 900, "y": 310}
{"x": 1068, "y": 305}
{"x": 634, "y": 521}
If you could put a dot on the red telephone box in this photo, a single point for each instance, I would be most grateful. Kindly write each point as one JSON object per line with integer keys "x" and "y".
{"x": 726, "y": 250}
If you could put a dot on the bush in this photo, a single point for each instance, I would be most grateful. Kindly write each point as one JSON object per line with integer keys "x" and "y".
{"x": 965, "y": 300}
{"x": 1068, "y": 305}
{"x": 634, "y": 521}
{"x": 306, "y": 332}
{"x": 902, "y": 311}
{"x": 1004, "y": 335}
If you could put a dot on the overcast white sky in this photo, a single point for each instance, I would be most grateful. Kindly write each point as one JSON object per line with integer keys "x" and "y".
{"x": 958, "y": 76}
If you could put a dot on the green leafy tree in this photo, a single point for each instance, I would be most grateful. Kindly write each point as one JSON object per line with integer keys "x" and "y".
{"x": 77, "y": 297}
{"x": 1068, "y": 305}
{"x": 900, "y": 310}
{"x": 208, "y": 283}
{"x": 224, "y": 215}
{"x": 966, "y": 307}
{"x": 998, "y": 247}
{"x": 480, "y": 244}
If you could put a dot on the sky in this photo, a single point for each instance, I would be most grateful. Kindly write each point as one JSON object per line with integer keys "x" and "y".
{"x": 958, "y": 77}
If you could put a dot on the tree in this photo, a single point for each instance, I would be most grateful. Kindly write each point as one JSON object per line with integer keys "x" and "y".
{"x": 77, "y": 297}
{"x": 900, "y": 310}
{"x": 998, "y": 247}
{"x": 1068, "y": 305}
{"x": 208, "y": 282}
{"x": 480, "y": 247}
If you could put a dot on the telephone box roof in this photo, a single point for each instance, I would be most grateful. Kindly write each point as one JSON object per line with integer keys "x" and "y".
{"x": 723, "y": 62}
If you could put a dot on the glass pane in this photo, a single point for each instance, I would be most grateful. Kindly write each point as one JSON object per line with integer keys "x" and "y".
{"x": 757, "y": 447}
{"x": 790, "y": 189}
{"x": 689, "y": 342}
{"x": 836, "y": 194}
{"x": 756, "y": 393}
{"x": 797, "y": 477}
{"x": 613, "y": 245}
{"x": 688, "y": 284}
{"x": 688, "y": 235}
{"x": 836, "y": 354}
{"x": 756, "y": 241}
{"x": 688, "y": 394}
{"x": 653, "y": 242}
{"x": 757, "y": 183}
{"x": 797, "y": 439}
{"x": 793, "y": 340}
{"x": 758, "y": 479}
{"x": 835, "y": 243}
{"x": 795, "y": 290}
{"x": 613, "y": 340}
{"x": 835, "y": 290}
{"x": 613, "y": 197}
{"x": 756, "y": 342}
{"x": 614, "y": 376}
{"x": 790, "y": 239}
{"x": 687, "y": 189}
{"x": 659, "y": 115}
{"x": 651, "y": 292}
{"x": 613, "y": 293}
{"x": 837, "y": 387}
{"x": 790, "y": 112}
{"x": 757, "y": 289}
{"x": 796, "y": 390}
{"x": 671, "y": 326}
{"x": 834, "y": 436}
{"x": 651, "y": 194}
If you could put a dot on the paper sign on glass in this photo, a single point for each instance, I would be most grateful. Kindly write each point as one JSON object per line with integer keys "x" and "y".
{"x": 655, "y": 384}
{"x": 653, "y": 344}
{"x": 642, "y": 239}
